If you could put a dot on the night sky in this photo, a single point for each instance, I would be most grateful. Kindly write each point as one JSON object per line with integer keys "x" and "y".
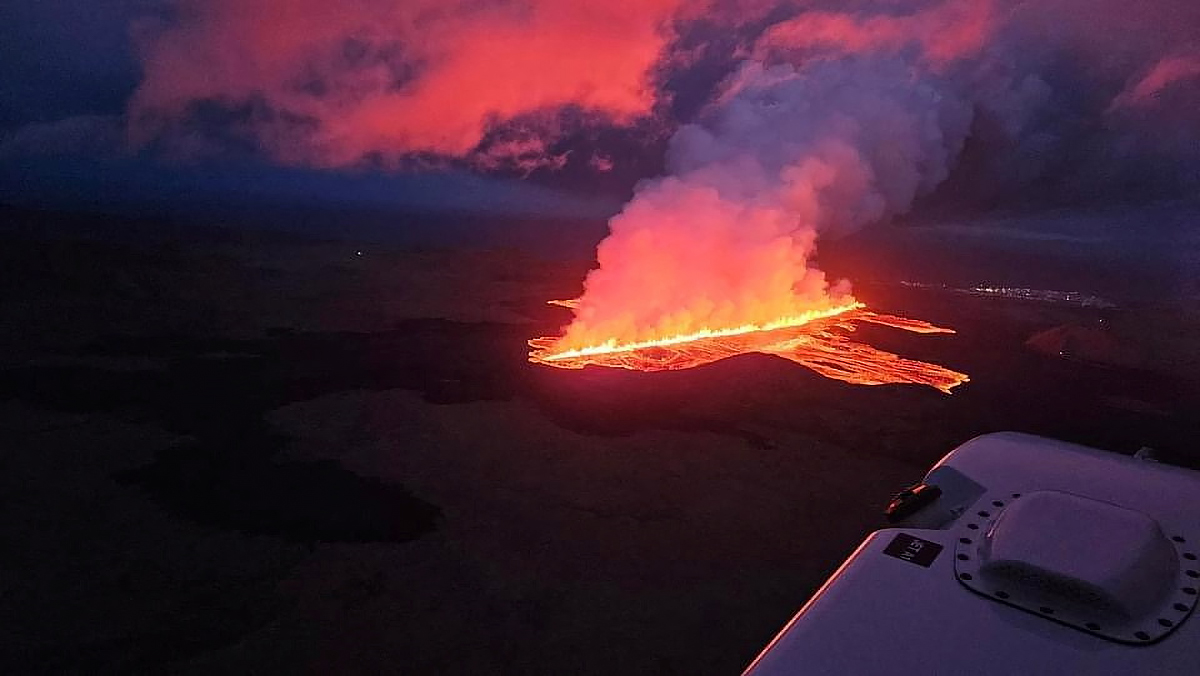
{"x": 188, "y": 103}
{"x": 64, "y": 58}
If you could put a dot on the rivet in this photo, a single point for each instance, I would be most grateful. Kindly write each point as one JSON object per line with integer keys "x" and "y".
{"x": 1093, "y": 626}
{"x": 1193, "y": 573}
{"x": 1001, "y": 595}
{"x": 997, "y": 503}
{"x": 963, "y": 557}
{"x": 1016, "y": 495}
{"x": 984, "y": 514}
{"x": 1191, "y": 591}
{"x": 1181, "y": 607}
{"x": 1189, "y": 556}
{"x": 1165, "y": 622}
{"x": 972, "y": 526}
{"x": 1178, "y": 538}
{"x": 1142, "y": 635}
{"x": 965, "y": 541}
{"x": 964, "y": 576}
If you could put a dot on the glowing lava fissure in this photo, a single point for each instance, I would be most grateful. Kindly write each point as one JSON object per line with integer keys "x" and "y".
{"x": 817, "y": 340}
{"x": 613, "y": 346}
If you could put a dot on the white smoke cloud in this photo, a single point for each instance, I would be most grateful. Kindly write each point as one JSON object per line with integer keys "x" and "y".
{"x": 844, "y": 118}
{"x": 787, "y": 154}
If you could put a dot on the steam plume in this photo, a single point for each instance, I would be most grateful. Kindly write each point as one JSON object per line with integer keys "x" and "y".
{"x": 787, "y": 154}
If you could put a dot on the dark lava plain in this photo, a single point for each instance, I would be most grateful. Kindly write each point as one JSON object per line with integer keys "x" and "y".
{"x": 286, "y": 456}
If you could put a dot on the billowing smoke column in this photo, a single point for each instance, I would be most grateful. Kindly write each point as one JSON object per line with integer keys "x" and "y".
{"x": 786, "y": 154}
{"x": 836, "y": 123}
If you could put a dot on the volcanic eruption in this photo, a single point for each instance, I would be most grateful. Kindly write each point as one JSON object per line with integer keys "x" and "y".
{"x": 830, "y": 116}
{"x": 718, "y": 257}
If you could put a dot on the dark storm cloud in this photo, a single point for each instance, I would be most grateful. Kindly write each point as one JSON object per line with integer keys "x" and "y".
{"x": 1063, "y": 111}
{"x": 62, "y": 58}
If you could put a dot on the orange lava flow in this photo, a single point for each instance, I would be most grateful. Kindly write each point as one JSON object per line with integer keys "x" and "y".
{"x": 817, "y": 340}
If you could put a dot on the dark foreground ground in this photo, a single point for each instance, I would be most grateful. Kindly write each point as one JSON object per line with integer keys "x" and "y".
{"x": 254, "y": 455}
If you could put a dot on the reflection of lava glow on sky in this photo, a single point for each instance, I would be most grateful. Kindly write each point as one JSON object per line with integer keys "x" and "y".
{"x": 817, "y": 340}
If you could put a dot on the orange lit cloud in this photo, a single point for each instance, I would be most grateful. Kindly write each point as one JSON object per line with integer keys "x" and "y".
{"x": 328, "y": 83}
{"x": 601, "y": 163}
{"x": 944, "y": 33}
{"x": 1165, "y": 73}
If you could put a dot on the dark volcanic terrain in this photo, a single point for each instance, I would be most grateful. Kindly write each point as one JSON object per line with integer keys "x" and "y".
{"x": 255, "y": 454}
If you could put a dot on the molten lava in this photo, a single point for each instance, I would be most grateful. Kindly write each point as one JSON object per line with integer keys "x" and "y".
{"x": 817, "y": 340}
